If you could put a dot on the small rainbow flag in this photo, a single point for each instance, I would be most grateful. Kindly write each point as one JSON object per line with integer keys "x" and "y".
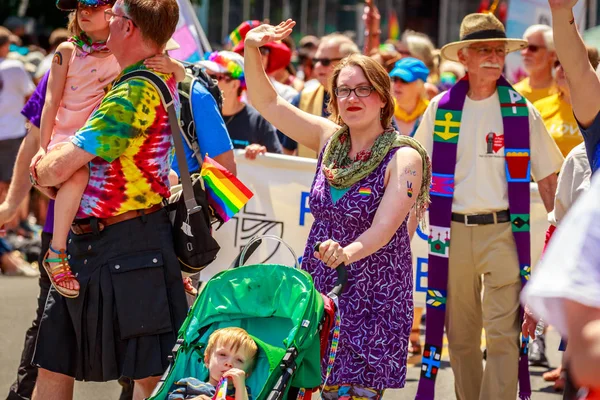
{"x": 221, "y": 392}
{"x": 393, "y": 26}
{"x": 226, "y": 194}
{"x": 364, "y": 191}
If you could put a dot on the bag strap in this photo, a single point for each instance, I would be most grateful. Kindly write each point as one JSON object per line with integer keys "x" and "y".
{"x": 169, "y": 103}
{"x": 194, "y": 143}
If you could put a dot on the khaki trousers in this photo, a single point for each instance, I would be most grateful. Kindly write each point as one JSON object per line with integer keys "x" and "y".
{"x": 485, "y": 257}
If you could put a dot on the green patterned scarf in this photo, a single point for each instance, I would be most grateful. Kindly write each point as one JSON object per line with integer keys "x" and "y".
{"x": 342, "y": 172}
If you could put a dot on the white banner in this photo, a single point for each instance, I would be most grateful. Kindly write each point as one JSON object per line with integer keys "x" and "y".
{"x": 521, "y": 15}
{"x": 281, "y": 187}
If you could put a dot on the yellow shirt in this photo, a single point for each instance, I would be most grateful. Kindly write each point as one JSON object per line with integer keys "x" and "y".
{"x": 531, "y": 94}
{"x": 560, "y": 122}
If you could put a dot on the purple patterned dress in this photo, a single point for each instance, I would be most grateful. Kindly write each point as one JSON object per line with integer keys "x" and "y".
{"x": 377, "y": 305}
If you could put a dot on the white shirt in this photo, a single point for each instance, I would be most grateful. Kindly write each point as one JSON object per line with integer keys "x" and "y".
{"x": 480, "y": 178}
{"x": 16, "y": 85}
{"x": 570, "y": 268}
{"x": 573, "y": 181}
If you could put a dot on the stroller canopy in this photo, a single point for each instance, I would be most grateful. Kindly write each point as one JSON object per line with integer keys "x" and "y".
{"x": 276, "y": 304}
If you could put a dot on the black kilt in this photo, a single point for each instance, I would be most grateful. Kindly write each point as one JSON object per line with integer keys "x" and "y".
{"x": 129, "y": 309}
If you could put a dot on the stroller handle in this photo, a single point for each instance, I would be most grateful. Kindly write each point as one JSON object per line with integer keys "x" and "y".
{"x": 254, "y": 243}
{"x": 342, "y": 276}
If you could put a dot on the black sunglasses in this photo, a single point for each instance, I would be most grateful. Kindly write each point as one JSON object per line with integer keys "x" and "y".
{"x": 534, "y": 48}
{"x": 325, "y": 61}
{"x": 221, "y": 77}
{"x": 399, "y": 80}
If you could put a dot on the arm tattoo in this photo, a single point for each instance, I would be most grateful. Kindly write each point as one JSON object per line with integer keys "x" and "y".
{"x": 411, "y": 172}
{"x": 58, "y": 58}
{"x": 409, "y": 189}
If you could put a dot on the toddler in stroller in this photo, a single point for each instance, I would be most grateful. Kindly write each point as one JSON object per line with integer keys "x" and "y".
{"x": 278, "y": 306}
{"x": 230, "y": 355}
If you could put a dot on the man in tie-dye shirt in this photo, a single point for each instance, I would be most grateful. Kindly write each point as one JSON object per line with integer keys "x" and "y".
{"x": 133, "y": 159}
{"x": 131, "y": 304}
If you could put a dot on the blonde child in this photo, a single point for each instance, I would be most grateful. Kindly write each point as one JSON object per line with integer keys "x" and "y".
{"x": 81, "y": 69}
{"x": 230, "y": 353}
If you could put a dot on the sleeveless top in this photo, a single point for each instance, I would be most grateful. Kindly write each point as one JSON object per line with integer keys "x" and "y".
{"x": 84, "y": 89}
{"x": 377, "y": 306}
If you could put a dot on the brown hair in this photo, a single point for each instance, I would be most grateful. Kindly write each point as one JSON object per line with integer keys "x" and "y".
{"x": 73, "y": 26}
{"x": 234, "y": 339}
{"x": 387, "y": 58}
{"x": 377, "y": 77}
{"x": 156, "y": 19}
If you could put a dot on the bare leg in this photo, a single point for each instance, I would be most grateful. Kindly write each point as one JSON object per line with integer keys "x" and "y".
{"x": 66, "y": 206}
{"x": 53, "y": 386}
{"x": 143, "y": 387}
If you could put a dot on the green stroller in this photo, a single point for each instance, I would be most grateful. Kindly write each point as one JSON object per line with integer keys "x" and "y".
{"x": 277, "y": 305}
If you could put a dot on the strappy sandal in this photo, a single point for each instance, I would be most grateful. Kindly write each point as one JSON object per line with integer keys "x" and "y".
{"x": 60, "y": 272}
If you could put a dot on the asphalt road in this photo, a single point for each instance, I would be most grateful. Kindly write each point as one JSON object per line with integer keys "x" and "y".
{"x": 17, "y": 307}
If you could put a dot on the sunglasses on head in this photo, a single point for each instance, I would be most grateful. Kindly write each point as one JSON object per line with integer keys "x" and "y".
{"x": 326, "y": 62}
{"x": 221, "y": 77}
{"x": 534, "y": 48}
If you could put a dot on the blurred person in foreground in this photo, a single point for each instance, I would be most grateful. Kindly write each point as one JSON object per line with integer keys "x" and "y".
{"x": 564, "y": 290}
{"x": 538, "y": 60}
{"x": 368, "y": 180}
{"x": 487, "y": 143}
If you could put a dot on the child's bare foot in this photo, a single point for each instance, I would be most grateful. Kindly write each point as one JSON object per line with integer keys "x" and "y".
{"x": 59, "y": 271}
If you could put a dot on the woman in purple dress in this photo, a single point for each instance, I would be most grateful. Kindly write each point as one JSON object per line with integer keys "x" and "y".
{"x": 367, "y": 181}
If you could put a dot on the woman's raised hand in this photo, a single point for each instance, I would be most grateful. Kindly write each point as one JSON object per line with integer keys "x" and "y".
{"x": 266, "y": 33}
{"x": 562, "y": 4}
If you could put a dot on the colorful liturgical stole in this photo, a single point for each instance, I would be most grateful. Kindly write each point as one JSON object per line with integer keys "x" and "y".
{"x": 518, "y": 168}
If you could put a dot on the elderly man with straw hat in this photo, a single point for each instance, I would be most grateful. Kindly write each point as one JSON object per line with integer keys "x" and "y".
{"x": 486, "y": 142}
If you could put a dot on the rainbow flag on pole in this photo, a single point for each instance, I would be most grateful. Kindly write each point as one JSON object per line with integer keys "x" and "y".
{"x": 221, "y": 388}
{"x": 226, "y": 194}
{"x": 393, "y": 26}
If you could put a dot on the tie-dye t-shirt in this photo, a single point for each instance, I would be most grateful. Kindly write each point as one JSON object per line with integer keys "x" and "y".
{"x": 129, "y": 133}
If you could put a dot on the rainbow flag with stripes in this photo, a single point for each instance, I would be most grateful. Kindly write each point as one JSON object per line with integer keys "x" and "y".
{"x": 226, "y": 194}
{"x": 221, "y": 392}
{"x": 393, "y": 26}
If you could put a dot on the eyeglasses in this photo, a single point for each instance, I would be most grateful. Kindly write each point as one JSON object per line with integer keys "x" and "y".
{"x": 396, "y": 79}
{"x": 487, "y": 51}
{"x": 359, "y": 91}
{"x": 108, "y": 14}
{"x": 221, "y": 77}
{"x": 534, "y": 48}
{"x": 326, "y": 62}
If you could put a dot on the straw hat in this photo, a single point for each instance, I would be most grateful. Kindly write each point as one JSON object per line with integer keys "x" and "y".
{"x": 478, "y": 28}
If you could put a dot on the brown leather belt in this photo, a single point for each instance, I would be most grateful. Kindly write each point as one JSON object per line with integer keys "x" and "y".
{"x": 79, "y": 227}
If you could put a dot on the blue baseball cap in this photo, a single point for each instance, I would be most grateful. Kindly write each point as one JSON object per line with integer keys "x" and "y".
{"x": 409, "y": 70}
